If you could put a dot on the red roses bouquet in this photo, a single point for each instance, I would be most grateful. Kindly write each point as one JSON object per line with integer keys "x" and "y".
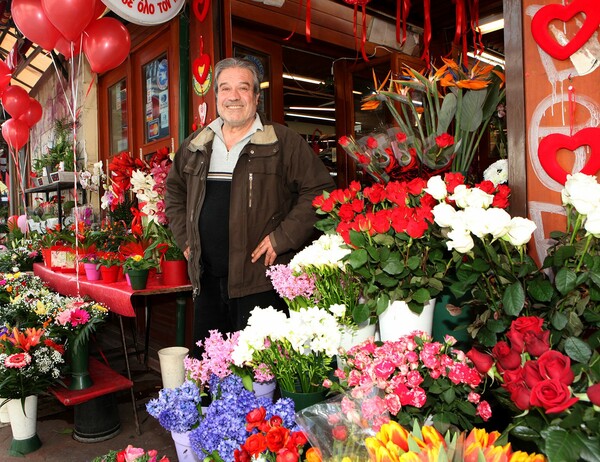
{"x": 397, "y": 250}
{"x": 554, "y": 389}
{"x": 270, "y": 440}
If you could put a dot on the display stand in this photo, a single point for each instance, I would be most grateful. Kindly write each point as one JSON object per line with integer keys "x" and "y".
{"x": 57, "y": 187}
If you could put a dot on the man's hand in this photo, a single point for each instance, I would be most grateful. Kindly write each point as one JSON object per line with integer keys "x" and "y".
{"x": 264, "y": 248}
{"x": 186, "y": 253}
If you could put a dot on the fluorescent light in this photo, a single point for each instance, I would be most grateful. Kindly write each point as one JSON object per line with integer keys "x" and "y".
{"x": 356, "y": 92}
{"x": 491, "y": 24}
{"x": 487, "y": 58}
{"x": 311, "y": 108}
{"x": 307, "y": 116}
{"x": 300, "y": 78}
{"x": 264, "y": 85}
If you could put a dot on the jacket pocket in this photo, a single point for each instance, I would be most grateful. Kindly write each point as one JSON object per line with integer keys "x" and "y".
{"x": 194, "y": 166}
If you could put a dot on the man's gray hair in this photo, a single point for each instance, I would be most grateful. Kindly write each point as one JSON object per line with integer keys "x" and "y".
{"x": 229, "y": 63}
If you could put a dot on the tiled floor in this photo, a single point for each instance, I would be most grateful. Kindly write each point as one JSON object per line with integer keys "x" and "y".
{"x": 56, "y": 422}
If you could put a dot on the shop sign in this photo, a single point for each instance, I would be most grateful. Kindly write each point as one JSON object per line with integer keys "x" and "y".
{"x": 145, "y": 12}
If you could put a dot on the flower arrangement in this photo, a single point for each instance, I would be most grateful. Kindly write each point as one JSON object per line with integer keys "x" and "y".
{"x": 223, "y": 429}
{"x": 297, "y": 350}
{"x": 19, "y": 258}
{"x": 30, "y": 307}
{"x": 131, "y": 454}
{"x": 397, "y": 251}
{"x": 413, "y": 378}
{"x": 394, "y": 443}
{"x": 552, "y": 390}
{"x": 269, "y": 439}
{"x": 178, "y": 409}
{"x": 75, "y": 319}
{"x": 444, "y": 128}
{"x": 30, "y": 362}
{"x": 14, "y": 286}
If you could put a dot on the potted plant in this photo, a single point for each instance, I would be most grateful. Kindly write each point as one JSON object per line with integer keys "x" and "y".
{"x": 60, "y": 155}
{"x": 172, "y": 260}
{"x": 137, "y": 268}
{"x": 109, "y": 265}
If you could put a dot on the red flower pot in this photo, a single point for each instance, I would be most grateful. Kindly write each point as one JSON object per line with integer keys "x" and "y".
{"x": 110, "y": 273}
{"x": 174, "y": 272}
{"x": 46, "y": 255}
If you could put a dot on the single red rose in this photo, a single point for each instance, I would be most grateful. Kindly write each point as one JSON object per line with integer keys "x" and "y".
{"x": 287, "y": 455}
{"x": 552, "y": 395}
{"x": 362, "y": 223}
{"x": 362, "y": 159}
{"x": 444, "y": 140}
{"x": 375, "y": 194}
{"x": 340, "y": 432}
{"x": 593, "y": 394}
{"x": 554, "y": 365}
{"x": 255, "y": 444}
{"x": 507, "y": 358}
{"x": 381, "y": 221}
{"x": 537, "y": 344}
{"x": 527, "y": 324}
{"x": 121, "y": 456}
{"x": 401, "y": 137}
{"x": 344, "y": 141}
{"x": 500, "y": 202}
{"x": 483, "y": 362}
{"x": 241, "y": 456}
{"x": 416, "y": 186}
{"x": 486, "y": 186}
{"x": 277, "y": 438}
{"x": 416, "y": 228}
{"x": 346, "y": 213}
{"x": 520, "y": 394}
{"x": 372, "y": 143}
{"x": 397, "y": 192}
{"x": 358, "y": 205}
{"x": 318, "y": 201}
{"x": 531, "y": 373}
{"x": 453, "y": 179}
{"x": 327, "y": 205}
{"x": 343, "y": 229}
{"x": 355, "y": 186}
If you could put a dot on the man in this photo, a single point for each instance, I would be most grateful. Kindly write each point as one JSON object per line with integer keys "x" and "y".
{"x": 239, "y": 199}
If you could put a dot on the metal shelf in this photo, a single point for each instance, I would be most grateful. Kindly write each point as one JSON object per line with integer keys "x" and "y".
{"x": 56, "y": 187}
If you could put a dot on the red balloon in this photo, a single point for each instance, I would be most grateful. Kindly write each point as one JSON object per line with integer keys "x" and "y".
{"x": 99, "y": 9}
{"x": 15, "y": 101}
{"x": 5, "y": 76}
{"x": 31, "y": 20}
{"x": 16, "y": 133}
{"x": 63, "y": 46}
{"x": 33, "y": 113}
{"x": 70, "y": 17}
{"x": 106, "y": 44}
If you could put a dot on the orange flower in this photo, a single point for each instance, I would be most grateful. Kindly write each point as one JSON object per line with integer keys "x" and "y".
{"x": 26, "y": 340}
{"x": 313, "y": 455}
{"x": 521, "y": 456}
{"x": 394, "y": 432}
{"x": 432, "y": 437}
{"x": 497, "y": 453}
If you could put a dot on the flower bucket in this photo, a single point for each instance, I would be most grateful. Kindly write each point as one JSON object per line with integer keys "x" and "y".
{"x": 4, "y": 418}
{"x": 398, "y": 320}
{"x": 175, "y": 272}
{"x": 80, "y": 374}
{"x": 109, "y": 273}
{"x": 264, "y": 389}
{"x": 138, "y": 279}
{"x": 91, "y": 272}
{"x": 455, "y": 323}
{"x": 304, "y": 400}
{"x": 184, "y": 447}
{"x": 171, "y": 366}
{"x": 24, "y": 426}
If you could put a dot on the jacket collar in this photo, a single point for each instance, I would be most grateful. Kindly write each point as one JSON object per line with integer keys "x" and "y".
{"x": 262, "y": 137}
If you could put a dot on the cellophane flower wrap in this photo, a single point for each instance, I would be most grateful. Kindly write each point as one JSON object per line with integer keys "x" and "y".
{"x": 336, "y": 431}
{"x": 223, "y": 429}
{"x": 396, "y": 249}
{"x": 298, "y": 351}
{"x": 490, "y": 264}
{"x": 131, "y": 454}
{"x": 30, "y": 362}
{"x": 551, "y": 386}
{"x": 413, "y": 378}
{"x": 395, "y": 443}
{"x": 337, "y": 288}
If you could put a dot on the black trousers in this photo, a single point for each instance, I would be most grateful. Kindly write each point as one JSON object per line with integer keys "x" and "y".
{"x": 213, "y": 309}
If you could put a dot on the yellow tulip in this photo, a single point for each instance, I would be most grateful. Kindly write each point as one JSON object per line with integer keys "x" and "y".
{"x": 394, "y": 432}
{"x": 431, "y": 437}
{"x": 521, "y": 456}
{"x": 497, "y": 453}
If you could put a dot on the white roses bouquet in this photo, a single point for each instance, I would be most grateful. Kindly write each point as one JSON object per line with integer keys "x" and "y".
{"x": 298, "y": 350}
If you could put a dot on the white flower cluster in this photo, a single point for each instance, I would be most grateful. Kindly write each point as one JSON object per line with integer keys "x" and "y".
{"x": 474, "y": 216}
{"x": 310, "y": 330}
{"x": 143, "y": 185}
{"x": 497, "y": 173}
{"x": 327, "y": 251}
{"x": 583, "y": 193}
{"x": 91, "y": 181}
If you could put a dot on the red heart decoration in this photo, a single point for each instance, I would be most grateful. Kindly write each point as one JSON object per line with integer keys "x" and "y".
{"x": 200, "y": 68}
{"x": 541, "y": 20}
{"x": 200, "y": 8}
{"x": 550, "y": 145}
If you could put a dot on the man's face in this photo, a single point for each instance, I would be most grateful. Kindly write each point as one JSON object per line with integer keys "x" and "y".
{"x": 236, "y": 101}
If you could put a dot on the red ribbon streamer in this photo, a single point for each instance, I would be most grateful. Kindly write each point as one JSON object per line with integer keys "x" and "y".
{"x": 460, "y": 20}
{"x": 477, "y": 35}
{"x": 426, "y": 31}
{"x": 364, "y": 33}
{"x": 307, "y": 26}
{"x": 402, "y": 9}
{"x": 294, "y": 29}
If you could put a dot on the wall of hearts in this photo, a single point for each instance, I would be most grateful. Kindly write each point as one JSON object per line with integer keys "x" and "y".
{"x": 561, "y": 56}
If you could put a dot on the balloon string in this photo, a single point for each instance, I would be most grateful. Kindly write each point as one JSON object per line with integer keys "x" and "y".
{"x": 571, "y": 90}
{"x": 13, "y": 153}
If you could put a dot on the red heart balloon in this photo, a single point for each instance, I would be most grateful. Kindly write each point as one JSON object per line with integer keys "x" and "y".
{"x": 15, "y": 133}
{"x": 550, "y": 145}
{"x": 201, "y": 67}
{"x": 106, "y": 44}
{"x": 31, "y": 20}
{"x": 541, "y": 20}
{"x": 15, "y": 101}
{"x": 200, "y": 8}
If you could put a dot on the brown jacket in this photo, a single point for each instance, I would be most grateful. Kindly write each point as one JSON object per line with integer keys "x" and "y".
{"x": 274, "y": 182}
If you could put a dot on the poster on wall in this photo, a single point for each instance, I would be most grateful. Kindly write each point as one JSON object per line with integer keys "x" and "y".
{"x": 156, "y": 80}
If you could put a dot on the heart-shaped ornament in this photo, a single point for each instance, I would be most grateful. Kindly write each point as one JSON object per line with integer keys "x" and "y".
{"x": 200, "y": 8}
{"x": 541, "y": 31}
{"x": 202, "y": 113}
{"x": 551, "y": 144}
{"x": 201, "y": 67}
